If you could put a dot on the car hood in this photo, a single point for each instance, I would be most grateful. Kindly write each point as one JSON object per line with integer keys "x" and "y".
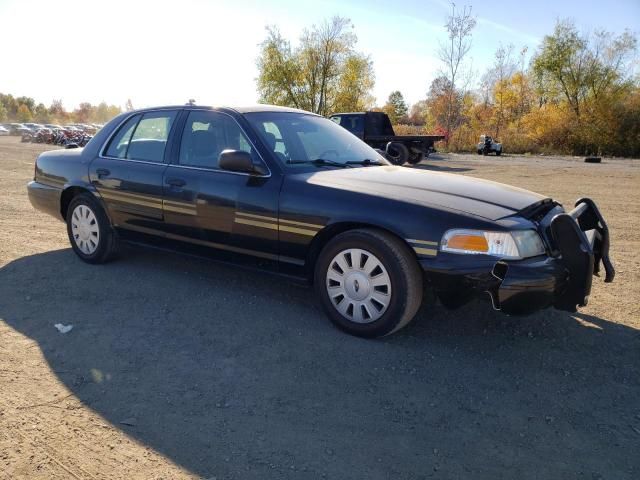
{"x": 483, "y": 198}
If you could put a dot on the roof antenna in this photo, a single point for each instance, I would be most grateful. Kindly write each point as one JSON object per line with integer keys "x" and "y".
{"x": 191, "y": 102}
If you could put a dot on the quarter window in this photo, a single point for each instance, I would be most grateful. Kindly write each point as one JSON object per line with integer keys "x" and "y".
{"x": 120, "y": 142}
{"x": 206, "y": 135}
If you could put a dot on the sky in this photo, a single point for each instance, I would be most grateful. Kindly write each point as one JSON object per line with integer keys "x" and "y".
{"x": 166, "y": 52}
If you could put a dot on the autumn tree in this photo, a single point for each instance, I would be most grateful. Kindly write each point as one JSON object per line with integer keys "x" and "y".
{"x": 418, "y": 113}
{"x": 323, "y": 73}
{"x": 24, "y": 114}
{"x": 588, "y": 72}
{"x": 57, "y": 112}
{"x": 396, "y": 108}
{"x": 41, "y": 113}
{"x": 583, "y": 68}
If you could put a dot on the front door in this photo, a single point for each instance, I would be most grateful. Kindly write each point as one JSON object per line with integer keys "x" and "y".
{"x": 128, "y": 174}
{"x": 207, "y": 206}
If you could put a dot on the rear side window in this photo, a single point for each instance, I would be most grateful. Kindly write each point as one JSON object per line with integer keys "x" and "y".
{"x": 143, "y": 137}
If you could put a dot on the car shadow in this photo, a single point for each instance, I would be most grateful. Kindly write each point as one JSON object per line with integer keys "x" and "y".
{"x": 238, "y": 374}
{"x": 433, "y": 163}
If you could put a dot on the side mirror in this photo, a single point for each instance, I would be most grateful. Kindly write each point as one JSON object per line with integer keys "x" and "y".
{"x": 239, "y": 161}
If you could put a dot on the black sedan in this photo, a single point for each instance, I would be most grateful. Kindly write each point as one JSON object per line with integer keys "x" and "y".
{"x": 296, "y": 194}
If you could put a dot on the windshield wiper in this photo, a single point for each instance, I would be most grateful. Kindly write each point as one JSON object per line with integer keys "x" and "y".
{"x": 322, "y": 162}
{"x": 366, "y": 161}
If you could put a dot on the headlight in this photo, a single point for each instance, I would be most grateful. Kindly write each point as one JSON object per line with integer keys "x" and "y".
{"x": 510, "y": 245}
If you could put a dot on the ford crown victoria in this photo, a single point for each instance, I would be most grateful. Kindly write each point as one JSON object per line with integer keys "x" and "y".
{"x": 292, "y": 192}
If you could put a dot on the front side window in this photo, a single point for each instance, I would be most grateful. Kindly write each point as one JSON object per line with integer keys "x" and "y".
{"x": 303, "y": 138}
{"x": 142, "y": 137}
{"x": 206, "y": 134}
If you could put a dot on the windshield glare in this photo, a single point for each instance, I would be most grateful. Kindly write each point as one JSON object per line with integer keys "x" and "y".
{"x": 296, "y": 138}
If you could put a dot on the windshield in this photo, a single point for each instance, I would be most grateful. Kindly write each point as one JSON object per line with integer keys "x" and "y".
{"x": 303, "y": 139}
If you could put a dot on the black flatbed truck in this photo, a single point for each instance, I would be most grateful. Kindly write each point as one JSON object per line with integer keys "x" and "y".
{"x": 375, "y": 129}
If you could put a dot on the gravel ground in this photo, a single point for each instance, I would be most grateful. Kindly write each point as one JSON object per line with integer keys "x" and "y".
{"x": 180, "y": 368}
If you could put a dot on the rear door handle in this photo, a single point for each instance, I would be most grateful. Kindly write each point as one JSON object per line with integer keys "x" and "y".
{"x": 176, "y": 182}
{"x": 102, "y": 172}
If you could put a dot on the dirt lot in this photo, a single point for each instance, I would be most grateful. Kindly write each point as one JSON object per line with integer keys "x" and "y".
{"x": 179, "y": 368}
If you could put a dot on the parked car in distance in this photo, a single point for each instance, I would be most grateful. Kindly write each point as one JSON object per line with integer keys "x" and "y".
{"x": 375, "y": 129}
{"x": 4, "y": 131}
{"x": 487, "y": 146}
{"x": 292, "y": 192}
{"x": 18, "y": 129}
{"x": 34, "y": 127}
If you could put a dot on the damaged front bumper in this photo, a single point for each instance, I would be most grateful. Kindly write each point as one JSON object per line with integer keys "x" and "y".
{"x": 579, "y": 245}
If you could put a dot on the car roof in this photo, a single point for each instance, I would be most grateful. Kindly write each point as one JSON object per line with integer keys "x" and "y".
{"x": 240, "y": 109}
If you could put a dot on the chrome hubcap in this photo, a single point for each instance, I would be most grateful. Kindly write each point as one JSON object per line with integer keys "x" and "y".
{"x": 84, "y": 228}
{"x": 358, "y": 285}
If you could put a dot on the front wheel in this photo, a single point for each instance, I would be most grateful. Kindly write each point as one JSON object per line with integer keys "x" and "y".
{"x": 89, "y": 230}
{"x": 498, "y": 153}
{"x": 369, "y": 283}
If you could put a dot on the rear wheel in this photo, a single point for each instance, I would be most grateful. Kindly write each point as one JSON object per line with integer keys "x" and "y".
{"x": 416, "y": 157}
{"x": 369, "y": 283}
{"x": 89, "y": 230}
{"x": 397, "y": 153}
{"x": 498, "y": 153}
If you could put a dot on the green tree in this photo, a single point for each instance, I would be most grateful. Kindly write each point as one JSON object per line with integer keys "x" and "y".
{"x": 353, "y": 93}
{"x": 3, "y": 113}
{"x": 320, "y": 74}
{"x": 396, "y": 108}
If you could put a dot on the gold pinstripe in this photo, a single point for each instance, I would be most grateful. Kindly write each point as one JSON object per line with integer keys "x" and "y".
{"x": 176, "y": 209}
{"x": 426, "y": 251}
{"x": 136, "y": 196}
{"x": 301, "y": 231}
{"x": 255, "y": 223}
{"x": 281, "y": 220}
{"x": 422, "y": 242}
{"x": 131, "y": 200}
{"x": 259, "y": 217}
{"x": 260, "y": 222}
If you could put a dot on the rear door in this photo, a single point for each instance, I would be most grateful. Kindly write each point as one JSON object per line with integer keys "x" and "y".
{"x": 208, "y": 206}
{"x": 128, "y": 172}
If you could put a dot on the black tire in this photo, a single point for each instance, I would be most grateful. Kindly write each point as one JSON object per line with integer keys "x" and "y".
{"x": 406, "y": 287}
{"x": 397, "y": 153}
{"x": 593, "y": 160}
{"x": 498, "y": 153}
{"x": 107, "y": 240}
{"x": 416, "y": 158}
{"x": 479, "y": 152}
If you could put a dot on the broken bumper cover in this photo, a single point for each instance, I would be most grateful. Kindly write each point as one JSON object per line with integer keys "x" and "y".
{"x": 562, "y": 279}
